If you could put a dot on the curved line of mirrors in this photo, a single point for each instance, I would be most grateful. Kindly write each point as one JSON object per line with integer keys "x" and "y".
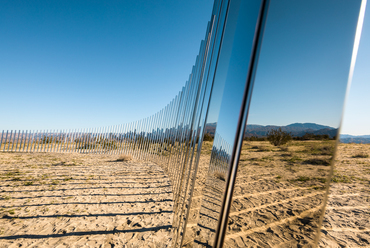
{"x": 247, "y": 170}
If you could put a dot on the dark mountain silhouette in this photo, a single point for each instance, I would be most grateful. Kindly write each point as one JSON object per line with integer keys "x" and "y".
{"x": 211, "y": 128}
{"x": 304, "y": 126}
{"x": 296, "y": 129}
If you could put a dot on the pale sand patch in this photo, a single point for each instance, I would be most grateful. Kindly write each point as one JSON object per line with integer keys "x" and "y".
{"x": 79, "y": 200}
{"x": 347, "y": 216}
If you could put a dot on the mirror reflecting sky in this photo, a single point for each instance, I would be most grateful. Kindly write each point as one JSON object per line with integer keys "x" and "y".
{"x": 304, "y": 62}
{"x": 302, "y": 56}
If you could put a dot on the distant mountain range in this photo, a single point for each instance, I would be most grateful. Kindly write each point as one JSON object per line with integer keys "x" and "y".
{"x": 346, "y": 138}
{"x": 296, "y": 129}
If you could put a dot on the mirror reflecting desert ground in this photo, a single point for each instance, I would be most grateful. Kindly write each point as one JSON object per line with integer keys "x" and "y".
{"x": 203, "y": 217}
{"x": 279, "y": 194}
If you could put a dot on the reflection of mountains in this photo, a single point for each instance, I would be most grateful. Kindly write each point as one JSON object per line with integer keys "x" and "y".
{"x": 364, "y": 139}
{"x": 296, "y": 129}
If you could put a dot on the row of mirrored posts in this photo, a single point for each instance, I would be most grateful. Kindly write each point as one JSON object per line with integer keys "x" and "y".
{"x": 295, "y": 57}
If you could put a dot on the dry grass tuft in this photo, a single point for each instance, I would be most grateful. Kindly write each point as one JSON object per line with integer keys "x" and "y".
{"x": 124, "y": 158}
{"x": 316, "y": 161}
{"x": 360, "y": 155}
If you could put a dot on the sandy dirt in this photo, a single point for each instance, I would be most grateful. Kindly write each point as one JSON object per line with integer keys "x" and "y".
{"x": 347, "y": 216}
{"x": 78, "y": 200}
{"x": 280, "y": 194}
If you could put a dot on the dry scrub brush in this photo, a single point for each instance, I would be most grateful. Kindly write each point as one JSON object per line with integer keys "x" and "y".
{"x": 278, "y": 137}
{"x": 361, "y": 155}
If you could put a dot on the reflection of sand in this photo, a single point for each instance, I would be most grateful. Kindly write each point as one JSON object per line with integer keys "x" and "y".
{"x": 278, "y": 195}
{"x": 277, "y": 199}
{"x": 193, "y": 229}
{"x": 49, "y": 199}
{"x": 209, "y": 212}
{"x": 205, "y": 205}
{"x": 346, "y": 222}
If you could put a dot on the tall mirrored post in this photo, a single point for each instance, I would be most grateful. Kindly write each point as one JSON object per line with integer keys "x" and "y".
{"x": 289, "y": 140}
{"x": 345, "y": 222}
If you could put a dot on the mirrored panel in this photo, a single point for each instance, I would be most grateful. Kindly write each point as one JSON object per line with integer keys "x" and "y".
{"x": 295, "y": 113}
{"x": 346, "y": 220}
{"x": 233, "y": 68}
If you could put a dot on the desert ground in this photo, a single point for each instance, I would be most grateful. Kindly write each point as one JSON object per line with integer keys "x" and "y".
{"x": 280, "y": 195}
{"x": 79, "y": 200}
{"x": 346, "y": 221}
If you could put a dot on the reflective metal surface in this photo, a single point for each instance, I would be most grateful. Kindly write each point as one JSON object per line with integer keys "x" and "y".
{"x": 281, "y": 188}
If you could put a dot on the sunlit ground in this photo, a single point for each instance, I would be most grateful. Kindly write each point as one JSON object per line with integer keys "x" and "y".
{"x": 64, "y": 200}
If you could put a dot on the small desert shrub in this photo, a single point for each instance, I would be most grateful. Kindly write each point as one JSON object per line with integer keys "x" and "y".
{"x": 316, "y": 161}
{"x": 44, "y": 176}
{"x": 28, "y": 183}
{"x": 321, "y": 179}
{"x": 360, "y": 155}
{"x": 266, "y": 158}
{"x": 260, "y": 148}
{"x": 124, "y": 158}
{"x": 320, "y": 150}
{"x": 338, "y": 178}
{"x": 85, "y": 146}
{"x": 207, "y": 137}
{"x": 13, "y": 173}
{"x": 286, "y": 155}
{"x": 243, "y": 159}
{"x": 219, "y": 175}
{"x": 327, "y": 150}
{"x": 293, "y": 159}
{"x": 47, "y": 140}
{"x": 302, "y": 179}
{"x": 263, "y": 149}
{"x": 55, "y": 182}
{"x": 278, "y": 137}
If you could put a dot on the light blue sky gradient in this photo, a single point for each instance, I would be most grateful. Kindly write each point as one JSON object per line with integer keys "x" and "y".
{"x": 76, "y": 64}
{"x": 304, "y": 62}
{"x": 356, "y": 119}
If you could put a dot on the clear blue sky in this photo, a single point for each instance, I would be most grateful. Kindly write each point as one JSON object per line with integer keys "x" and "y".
{"x": 74, "y": 64}
{"x": 303, "y": 67}
{"x": 304, "y": 62}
